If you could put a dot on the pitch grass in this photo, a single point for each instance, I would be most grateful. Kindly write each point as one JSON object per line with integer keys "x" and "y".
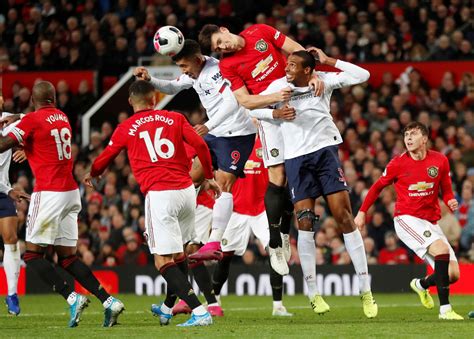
{"x": 400, "y": 315}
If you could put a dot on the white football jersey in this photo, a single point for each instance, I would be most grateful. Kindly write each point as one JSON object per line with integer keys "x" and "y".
{"x": 313, "y": 128}
{"x": 226, "y": 117}
{"x": 5, "y": 159}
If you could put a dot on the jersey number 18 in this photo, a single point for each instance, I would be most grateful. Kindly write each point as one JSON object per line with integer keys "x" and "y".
{"x": 63, "y": 142}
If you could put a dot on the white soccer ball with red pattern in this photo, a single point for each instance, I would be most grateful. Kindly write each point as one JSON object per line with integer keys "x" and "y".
{"x": 168, "y": 40}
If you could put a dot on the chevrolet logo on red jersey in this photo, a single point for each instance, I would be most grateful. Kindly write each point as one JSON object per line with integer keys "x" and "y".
{"x": 421, "y": 186}
{"x": 250, "y": 164}
{"x": 262, "y": 66}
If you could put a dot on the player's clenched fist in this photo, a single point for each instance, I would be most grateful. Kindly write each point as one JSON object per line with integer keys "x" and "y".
{"x": 141, "y": 73}
{"x": 284, "y": 113}
{"x": 283, "y": 95}
{"x": 453, "y": 204}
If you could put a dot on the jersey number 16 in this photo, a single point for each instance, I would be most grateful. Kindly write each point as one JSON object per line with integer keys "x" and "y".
{"x": 155, "y": 149}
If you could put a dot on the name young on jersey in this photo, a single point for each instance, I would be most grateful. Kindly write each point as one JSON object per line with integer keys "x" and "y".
{"x": 147, "y": 119}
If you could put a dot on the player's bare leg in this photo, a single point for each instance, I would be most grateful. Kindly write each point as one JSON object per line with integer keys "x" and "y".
{"x": 221, "y": 214}
{"x": 276, "y": 199}
{"x": 68, "y": 260}
{"x": 339, "y": 204}
{"x": 307, "y": 252}
{"x": 34, "y": 257}
{"x": 11, "y": 261}
{"x": 179, "y": 286}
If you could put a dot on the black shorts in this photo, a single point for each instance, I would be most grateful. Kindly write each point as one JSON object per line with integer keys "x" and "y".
{"x": 7, "y": 206}
{"x": 229, "y": 154}
{"x": 315, "y": 174}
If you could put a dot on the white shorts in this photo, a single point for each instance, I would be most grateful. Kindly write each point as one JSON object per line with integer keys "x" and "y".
{"x": 203, "y": 224}
{"x": 52, "y": 218}
{"x": 272, "y": 143}
{"x": 237, "y": 234}
{"x": 169, "y": 220}
{"x": 418, "y": 234}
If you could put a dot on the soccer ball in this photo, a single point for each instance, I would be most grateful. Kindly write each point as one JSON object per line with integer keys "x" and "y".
{"x": 168, "y": 40}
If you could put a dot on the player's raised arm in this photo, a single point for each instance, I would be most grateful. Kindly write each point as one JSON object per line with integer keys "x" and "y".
{"x": 351, "y": 74}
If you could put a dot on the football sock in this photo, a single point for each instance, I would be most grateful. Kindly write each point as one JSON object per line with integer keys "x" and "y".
{"x": 11, "y": 265}
{"x": 221, "y": 214}
{"x": 221, "y": 273}
{"x": 427, "y": 281}
{"x": 442, "y": 278}
{"x": 171, "y": 297}
{"x": 307, "y": 253}
{"x": 203, "y": 280}
{"x": 276, "y": 281}
{"x": 48, "y": 273}
{"x": 83, "y": 274}
{"x": 274, "y": 204}
{"x": 287, "y": 215}
{"x": 178, "y": 284}
{"x": 355, "y": 247}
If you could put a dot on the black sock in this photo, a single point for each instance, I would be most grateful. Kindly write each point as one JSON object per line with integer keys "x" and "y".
{"x": 179, "y": 285}
{"x": 48, "y": 273}
{"x": 221, "y": 273}
{"x": 428, "y": 281}
{"x": 171, "y": 297}
{"x": 276, "y": 280}
{"x": 83, "y": 274}
{"x": 287, "y": 215}
{"x": 274, "y": 204}
{"x": 442, "y": 277}
{"x": 203, "y": 280}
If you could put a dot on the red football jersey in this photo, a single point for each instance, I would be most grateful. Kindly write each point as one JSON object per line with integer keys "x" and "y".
{"x": 155, "y": 144}
{"x": 46, "y": 135}
{"x": 260, "y": 62}
{"x": 417, "y": 184}
{"x": 249, "y": 192}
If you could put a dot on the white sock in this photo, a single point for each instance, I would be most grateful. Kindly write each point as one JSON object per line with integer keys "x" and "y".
{"x": 108, "y": 302}
{"x": 418, "y": 285}
{"x": 445, "y": 308}
{"x": 277, "y": 304}
{"x": 71, "y": 299}
{"x": 307, "y": 253}
{"x": 200, "y": 310}
{"x": 11, "y": 264}
{"x": 165, "y": 309}
{"x": 355, "y": 248}
{"x": 221, "y": 214}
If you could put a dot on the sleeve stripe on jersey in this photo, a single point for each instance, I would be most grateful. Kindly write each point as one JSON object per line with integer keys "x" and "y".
{"x": 224, "y": 85}
{"x": 18, "y": 134}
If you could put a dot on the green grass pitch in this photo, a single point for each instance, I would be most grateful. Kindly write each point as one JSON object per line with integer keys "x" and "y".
{"x": 400, "y": 315}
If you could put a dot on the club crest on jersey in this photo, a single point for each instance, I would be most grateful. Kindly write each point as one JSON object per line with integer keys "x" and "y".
{"x": 274, "y": 152}
{"x": 258, "y": 152}
{"x": 427, "y": 234}
{"x": 261, "y": 46}
{"x": 224, "y": 242}
{"x": 433, "y": 171}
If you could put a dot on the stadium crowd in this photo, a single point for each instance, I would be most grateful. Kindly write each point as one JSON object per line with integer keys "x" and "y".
{"x": 82, "y": 34}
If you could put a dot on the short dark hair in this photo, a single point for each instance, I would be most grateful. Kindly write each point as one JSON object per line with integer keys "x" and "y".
{"x": 190, "y": 48}
{"x": 140, "y": 89}
{"x": 308, "y": 59}
{"x": 416, "y": 125}
{"x": 205, "y": 36}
